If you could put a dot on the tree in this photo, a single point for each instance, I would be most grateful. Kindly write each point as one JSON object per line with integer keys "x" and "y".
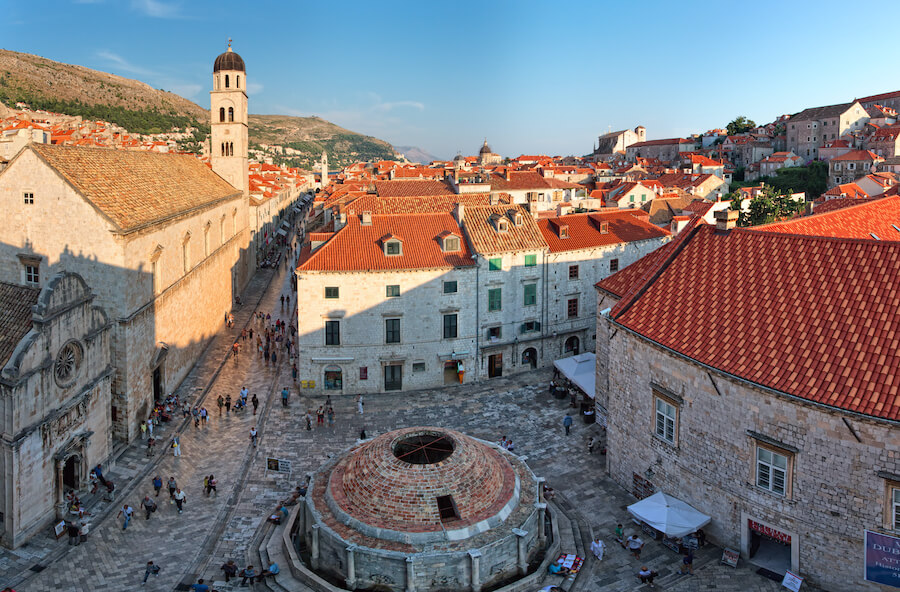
{"x": 740, "y": 125}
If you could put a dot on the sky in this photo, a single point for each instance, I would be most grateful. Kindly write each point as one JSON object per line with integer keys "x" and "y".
{"x": 530, "y": 77}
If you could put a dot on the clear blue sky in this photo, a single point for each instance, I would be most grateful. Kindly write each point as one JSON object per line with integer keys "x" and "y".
{"x": 530, "y": 77}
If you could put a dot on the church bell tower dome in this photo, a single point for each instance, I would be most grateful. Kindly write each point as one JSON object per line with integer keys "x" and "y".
{"x": 229, "y": 61}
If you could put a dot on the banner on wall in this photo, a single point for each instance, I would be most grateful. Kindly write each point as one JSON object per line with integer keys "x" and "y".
{"x": 882, "y": 559}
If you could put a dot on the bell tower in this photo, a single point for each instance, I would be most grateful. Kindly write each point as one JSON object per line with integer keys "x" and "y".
{"x": 228, "y": 109}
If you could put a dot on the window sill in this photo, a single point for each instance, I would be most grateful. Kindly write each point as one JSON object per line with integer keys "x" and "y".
{"x": 666, "y": 443}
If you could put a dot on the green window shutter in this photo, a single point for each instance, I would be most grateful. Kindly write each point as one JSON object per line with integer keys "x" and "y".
{"x": 530, "y": 296}
{"x": 494, "y": 299}
{"x": 495, "y": 264}
{"x": 530, "y": 260}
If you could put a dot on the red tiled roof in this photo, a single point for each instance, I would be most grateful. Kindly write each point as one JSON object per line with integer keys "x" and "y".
{"x": 808, "y": 316}
{"x": 412, "y": 188}
{"x": 485, "y": 237}
{"x": 15, "y": 317}
{"x": 847, "y": 190}
{"x": 880, "y": 217}
{"x": 664, "y": 142}
{"x": 359, "y": 248}
{"x": 622, "y": 227}
{"x": 839, "y": 203}
{"x": 420, "y": 205}
{"x": 858, "y": 155}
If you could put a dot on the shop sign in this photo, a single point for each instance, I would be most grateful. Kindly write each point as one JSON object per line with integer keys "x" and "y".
{"x": 792, "y": 582}
{"x": 882, "y": 559}
{"x": 770, "y": 532}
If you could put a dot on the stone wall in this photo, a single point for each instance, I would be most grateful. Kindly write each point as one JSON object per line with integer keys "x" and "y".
{"x": 834, "y": 492}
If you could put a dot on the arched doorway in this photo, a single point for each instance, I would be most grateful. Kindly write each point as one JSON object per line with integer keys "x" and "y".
{"x": 334, "y": 378}
{"x": 71, "y": 472}
{"x": 529, "y": 357}
{"x": 572, "y": 344}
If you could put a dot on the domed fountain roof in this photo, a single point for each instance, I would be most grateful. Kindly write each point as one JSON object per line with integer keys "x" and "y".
{"x": 424, "y": 480}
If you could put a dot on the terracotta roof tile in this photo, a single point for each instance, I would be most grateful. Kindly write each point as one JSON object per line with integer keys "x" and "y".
{"x": 134, "y": 188}
{"x": 420, "y": 205}
{"x": 412, "y": 188}
{"x": 585, "y": 230}
{"x": 15, "y": 317}
{"x": 359, "y": 248}
{"x": 880, "y": 217}
{"x": 479, "y": 224}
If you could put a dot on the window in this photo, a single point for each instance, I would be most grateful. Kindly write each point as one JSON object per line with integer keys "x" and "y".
{"x": 450, "y": 327}
{"x": 392, "y": 331}
{"x": 450, "y": 287}
{"x": 154, "y": 275}
{"x": 613, "y": 265}
{"x": 564, "y": 231}
{"x": 494, "y": 333}
{"x": 29, "y": 198}
{"x": 231, "y": 114}
{"x": 573, "y": 272}
{"x": 226, "y": 81}
{"x": 631, "y": 198}
{"x": 771, "y": 470}
{"x": 851, "y": 166}
{"x": 392, "y": 291}
{"x": 495, "y": 264}
{"x": 895, "y": 507}
{"x": 572, "y": 308}
{"x": 643, "y": 197}
{"x": 222, "y": 229}
{"x": 334, "y": 378}
{"x": 530, "y": 260}
{"x": 393, "y": 378}
{"x": 451, "y": 243}
{"x": 332, "y": 292}
{"x": 206, "y": 248}
{"x": 418, "y": 366}
{"x": 530, "y": 327}
{"x": 221, "y": 114}
{"x": 837, "y": 166}
{"x": 393, "y": 248}
{"x": 446, "y": 508}
{"x": 186, "y": 254}
{"x": 494, "y": 297}
{"x": 32, "y": 273}
{"x": 666, "y": 419}
{"x": 332, "y": 332}
{"x": 530, "y": 295}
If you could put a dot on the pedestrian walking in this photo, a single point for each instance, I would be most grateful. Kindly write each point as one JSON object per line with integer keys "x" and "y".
{"x": 82, "y": 531}
{"x": 230, "y": 569}
{"x": 243, "y": 335}
{"x": 200, "y": 586}
{"x": 320, "y": 416}
{"x": 248, "y": 573}
{"x": 567, "y": 423}
{"x": 195, "y": 413}
{"x": 211, "y": 483}
{"x": 687, "y": 563}
{"x": 72, "y": 529}
{"x": 151, "y": 568}
{"x": 176, "y": 446}
{"x": 126, "y": 512}
{"x": 282, "y": 302}
{"x": 634, "y": 544}
{"x": 227, "y": 403}
{"x": 94, "y": 481}
{"x": 308, "y": 419}
{"x": 151, "y": 441}
{"x": 173, "y": 485}
{"x": 598, "y": 547}
{"x": 274, "y": 357}
{"x": 591, "y": 445}
{"x": 255, "y": 401}
{"x": 143, "y": 430}
{"x": 646, "y": 575}
{"x": 330, "y": 414}
{"x": 157, "y": 484}
{"x": 179, "y": 498}
{"x": 294, "y": 372}
{"x": 266, "y": 355}
{"x": 285, "y": 393}
{"x": 221, "y": 403}
{"x": 245, "y": 392}
{"x": 250, "y": 333}
{"x": 204, "y": 415}
{"x": 149, "y": 426}
{"x": 253, "y": 436}
{"x": 148, "y": 505}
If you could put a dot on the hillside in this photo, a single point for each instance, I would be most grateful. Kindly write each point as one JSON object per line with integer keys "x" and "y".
{"x": 140, "y": 108}
{"x": 416, "y": 154}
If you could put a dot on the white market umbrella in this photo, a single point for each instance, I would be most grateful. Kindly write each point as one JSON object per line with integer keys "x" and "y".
{"x": 668, "y": 514}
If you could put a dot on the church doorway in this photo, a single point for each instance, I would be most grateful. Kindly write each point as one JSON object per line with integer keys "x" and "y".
{"x": 71, "y": 472}
{"x": 158, "y": 394}
{"x": 572, "y": 346}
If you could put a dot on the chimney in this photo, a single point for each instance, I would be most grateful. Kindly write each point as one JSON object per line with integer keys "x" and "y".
{"x": 726, "y": 219}
{"x": 506, "y": 174}
{"x": 459, "y": 212}
{"x": 366, "y": 219}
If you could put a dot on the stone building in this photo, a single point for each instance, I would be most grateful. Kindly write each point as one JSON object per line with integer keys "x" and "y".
{"x": 55, "y": 382}
{"x": 665, "y": 150}
{"x": 161, "y": 239}
{"x": 487, "y": 156}
{"x": 618, "y": 142}
{"x": 423, "y": 509}
{"x": 808, "y": 130}
{"x": 852, "y": 165}
{"x": 751, "y": 373}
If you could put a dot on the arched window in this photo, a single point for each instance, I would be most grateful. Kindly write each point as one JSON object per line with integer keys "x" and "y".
{"x": 206, "y": 245}
{"x": 230, "y": 148}
{"x": 226, "y": 81}
{"x": 333, "y": 378}
{"x": 186, "y": 252}
{"x": 222, "y": 229}
{"x": 223, "y": 148}
{"x": 221, "y": 113}
{"x": 231, "y": 114}
{"x": 572, "y": 346}
{"x": 237, "y": 81}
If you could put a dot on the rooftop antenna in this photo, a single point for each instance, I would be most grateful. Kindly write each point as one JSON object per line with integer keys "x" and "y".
{"x": 229, "y": 43}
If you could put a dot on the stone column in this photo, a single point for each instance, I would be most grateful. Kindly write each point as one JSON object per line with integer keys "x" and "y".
{"x": 60, "y": 491}
{"x": 541, "y": 518}
{"x": 314, "y": 546}
{"x": 410, "y": 575}
{"x": 475, "y": 555}
{"x": 522, "y": 551}
{"x": 351, "y": 567}
{"x": 540, "y": 489}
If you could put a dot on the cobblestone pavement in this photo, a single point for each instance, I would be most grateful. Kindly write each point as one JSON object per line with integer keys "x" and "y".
{"x": 211, "y": 530}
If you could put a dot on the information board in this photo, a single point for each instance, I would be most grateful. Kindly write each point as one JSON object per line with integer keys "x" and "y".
{"x": 277, "y": 465}
{"x": 881, "y": 559}
{"x": 792, "y": 581}
{"x": 730, "y": 557}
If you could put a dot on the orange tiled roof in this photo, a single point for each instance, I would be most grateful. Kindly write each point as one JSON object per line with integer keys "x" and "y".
{"x": 420, "y": 205}
{"x": 359, "y": 248}
{"x": 880, "y": 217}
{"x": 134, "y": 189}
{"x": 858, "y": 155}
{"x": 809, "y": 316}
{"x": 15, "y": 317}
{"x": 486, "y": 239}
{"x": 584, "y": 230}
{"x": 412, "y": 188}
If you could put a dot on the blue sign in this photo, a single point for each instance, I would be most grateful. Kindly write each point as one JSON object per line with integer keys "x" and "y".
{"x": 882, "y": 559}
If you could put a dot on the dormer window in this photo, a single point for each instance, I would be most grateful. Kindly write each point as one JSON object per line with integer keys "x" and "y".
{"x": 502, "y": 226}
{"x": 564, "y": 231}
{"x": 518, "y": 219}
{"x": 451, "y": 244}
{"x": 392, "y": 244}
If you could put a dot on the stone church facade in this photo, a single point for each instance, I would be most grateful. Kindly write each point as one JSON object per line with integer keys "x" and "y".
{"x": 55, "y": 382}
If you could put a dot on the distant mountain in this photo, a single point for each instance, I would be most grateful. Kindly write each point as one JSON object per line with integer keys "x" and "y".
{"x": 142, "y": 109}
{"x": 415, "y": 154}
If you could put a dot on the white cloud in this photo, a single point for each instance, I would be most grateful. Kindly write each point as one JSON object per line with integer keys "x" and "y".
{"x": 123, "y": 64}
{"x": 157, "y": 9}
{"x": 390, "y": 106}
{"x": 254, "y": 88}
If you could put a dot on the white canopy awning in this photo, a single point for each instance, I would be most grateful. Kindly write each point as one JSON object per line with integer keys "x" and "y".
{"x": 668, "y": 514}
{"x": 581, "y": 370}
{"x": 281, "y": 232}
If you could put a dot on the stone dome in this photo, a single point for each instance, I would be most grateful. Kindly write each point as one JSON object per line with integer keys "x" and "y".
{"x": 229, "y": 61}
{"x": 485, "y": 149}
{"x": 423, "y": 480}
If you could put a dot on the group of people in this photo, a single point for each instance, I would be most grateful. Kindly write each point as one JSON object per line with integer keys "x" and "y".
{"x": 248, "y": 574}
{"x": 323, "y": 413}
{"x": 507, "y": 444}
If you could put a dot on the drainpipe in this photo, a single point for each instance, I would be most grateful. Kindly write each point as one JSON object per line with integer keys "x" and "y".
{"x": 544, "y": 324}
{"x": 477, "y": 318}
